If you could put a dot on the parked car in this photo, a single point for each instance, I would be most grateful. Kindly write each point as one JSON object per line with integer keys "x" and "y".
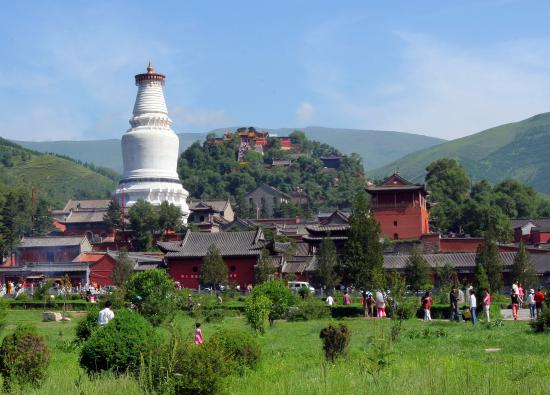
{"x": 296, "y": 285}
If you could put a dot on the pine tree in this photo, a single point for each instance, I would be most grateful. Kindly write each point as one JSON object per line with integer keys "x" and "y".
{"x": 169, "y": 217}
{"x": 123, "y": 269}
{"x": 487, "y": 256}
{"x": 481, "y": 281}
{"x": 264, "y": 269}
{"x": 213, "y": 268}
{"x": 144, "y": 222}
{"x": 523, "y": 269}
{"x": 418, "y": 271}
{"x": 363, "y": 260}
{"x": 328, "y": 262}
{"x": 42, "y": 223}
{"x": 113, "y": 215}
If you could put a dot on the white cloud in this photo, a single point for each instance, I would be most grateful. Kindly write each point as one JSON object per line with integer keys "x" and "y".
{"x": 445, "y": 91}
{"x": 305, "y": 113}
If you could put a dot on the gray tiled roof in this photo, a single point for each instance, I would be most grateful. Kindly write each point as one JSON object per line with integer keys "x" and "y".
{"x": 73, "y": 205}
{"x": 216, "y": 205}
{"x": 196, "y": 244}
{"x": 46, "y": 268}
{"x": 327, "y": 228}
{"x": 58, "y": 241}
{"x": 542, "y": 223}
{"x": 300, "y": 264}
{"x": 465, "y": 260}
{"x": 84, "y": 216}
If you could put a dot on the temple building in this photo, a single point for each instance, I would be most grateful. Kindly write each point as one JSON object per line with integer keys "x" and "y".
{"x": 150, "y": 150}
{"x": 400, "y": 207}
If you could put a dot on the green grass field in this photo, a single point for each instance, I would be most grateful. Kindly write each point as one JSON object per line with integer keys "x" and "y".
{"x": 293, "y": 363}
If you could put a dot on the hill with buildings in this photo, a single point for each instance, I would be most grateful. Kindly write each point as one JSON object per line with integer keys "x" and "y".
{"x": 375, "y": 147}
{"x": 55, "y": 179}
{"x": 518, "y": 150}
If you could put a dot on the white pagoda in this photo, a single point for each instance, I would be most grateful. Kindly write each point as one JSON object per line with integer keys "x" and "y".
{"x": 150, "y": 150}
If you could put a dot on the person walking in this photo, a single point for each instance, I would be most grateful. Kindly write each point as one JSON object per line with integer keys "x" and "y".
{"x": 453, "y": 297}
{"x": 346, "y": 299}
{"x": 473, "y": 306}
{"x": 532, "y": 304}
{"x": 539, "y": 301}
{"x": 198, "y": 334}
{"x": 330, "y": 300}
{"x": 106, "y": 314}
{"x": 521, "y": 292}
{"x": 487, "y": 305}
{"x": 380, "y": 305}
{"x": 515, "y": 304}
{"x": 369, "y": 304}
{"x": 426, "y": 305}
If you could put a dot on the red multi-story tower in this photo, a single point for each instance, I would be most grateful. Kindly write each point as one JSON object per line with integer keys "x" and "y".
{"x": 400, "y": 207}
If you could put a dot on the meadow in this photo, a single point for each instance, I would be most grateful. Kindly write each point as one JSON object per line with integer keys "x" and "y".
{"x": 440, "y": 357}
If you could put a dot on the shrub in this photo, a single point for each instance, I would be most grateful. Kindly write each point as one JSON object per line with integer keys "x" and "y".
{"x": 157, "y": 292}
{"x": 238, "y": 346}
{"x": 256, "y": 310}
{"x": 24, "y": 358}
{"x": 304, "y": 292}
{"x": 406, "y": 310}
{"x": 88, "y": 325}
{"x": 119, "y": 345}
{"x": 214, "y": 315}
{"x": 542, "y": 323}
{"x": 310, "y": 309}
{"x": 23, "y": 297}
{"x": 280, "y": 296}
{"x": 41, "y": 291}
{"x": 336, "y": 340}
{"x": 347, "y": 311}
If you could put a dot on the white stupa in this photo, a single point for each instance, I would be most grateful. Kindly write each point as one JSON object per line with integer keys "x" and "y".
{"x": 150, "y": 150}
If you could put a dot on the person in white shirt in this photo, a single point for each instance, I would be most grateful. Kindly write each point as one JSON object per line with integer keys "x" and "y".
{"x": 106, "y": 314}
{"x": 330, "y": 300}
{"x": 473, "y": 306}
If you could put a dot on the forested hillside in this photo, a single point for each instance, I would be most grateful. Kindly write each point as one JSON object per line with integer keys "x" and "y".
{"x": 55, "y": 179}
{"x": 211, "y": 170}
{"x": 516, "y": 150}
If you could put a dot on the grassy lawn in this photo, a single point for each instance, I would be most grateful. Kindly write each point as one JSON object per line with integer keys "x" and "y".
{"x": 293, "y": 363}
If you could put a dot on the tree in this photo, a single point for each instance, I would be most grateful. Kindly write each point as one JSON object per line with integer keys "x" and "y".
{"x": 265, "y": 268}
{"x": 488, "y": 258}
{"x": 363, "y": 259}
{"x": 481, "y": 281}
{"x": 144, "y": 222}
{"x": 213, "y": 268}
{"x": 123, "y": 269}
{"x": 113, "y": 215}
{"x": 42, "y": 221}
{"x": 328, "y": 261}
{"x": 522, "y": 269}
{"x": 280, "y": 296}
{"x": 170, "y": 217}
{"x": 418, "y": 271}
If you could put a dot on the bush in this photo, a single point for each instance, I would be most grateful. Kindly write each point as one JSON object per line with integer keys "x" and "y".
{"x": 24, "y": 358}
{"x": 304, "y": 292}
{"x": 88, "y": 325}
{"x": 157, "y": 292}
{"x": 311, "y": 309}
{"x": 542, "y": 323}
{"x": 238, "y": 346}
{"x": 336, "y": 340}
{"x": 41, "y": 291}
{"x": 406, "y": 310}
{"x": 23, "y": 297}
{"x": 214, "y": 315}
{"x": 280, "y": 296}
{"x": 256, "y": 310}
{"x": 119, "y": 345}
{"x": 347, "y": 311}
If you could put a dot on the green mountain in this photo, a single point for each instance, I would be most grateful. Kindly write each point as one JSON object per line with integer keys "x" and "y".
{"x": 376, "y": 147}
{"x": 516, "y": 150}
{"x": 55, "y": 179}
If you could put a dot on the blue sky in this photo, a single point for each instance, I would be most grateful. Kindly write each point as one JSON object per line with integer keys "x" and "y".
{"x": 440, "y": 68}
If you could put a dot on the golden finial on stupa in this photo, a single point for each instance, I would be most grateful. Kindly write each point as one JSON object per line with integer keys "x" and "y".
{"x": 150, "y": 68}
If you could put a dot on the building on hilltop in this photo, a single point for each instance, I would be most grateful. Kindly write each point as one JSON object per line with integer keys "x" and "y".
{"x": 150, "y": 150}
{"x": 400, "y": 207}
{"x": 265, "y": 199}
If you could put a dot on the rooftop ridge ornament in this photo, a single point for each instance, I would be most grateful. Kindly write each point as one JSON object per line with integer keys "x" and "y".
{"x": 150, "y": 75}
{"x": 150, "y": 68}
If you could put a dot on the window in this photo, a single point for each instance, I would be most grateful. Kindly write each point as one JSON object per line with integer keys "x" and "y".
{"x": 201, "y": 218}
{"x": 394, "y": 223}
{"x": 195, "y": 269}
{"x": 50, "y": 256}
{"x": 395, "y": 236}
{"x": 233, "y": 269}
{"x": 274, "y": 200}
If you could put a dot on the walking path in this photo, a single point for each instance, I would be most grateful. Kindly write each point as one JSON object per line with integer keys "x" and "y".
{"x": 523, "y": 314}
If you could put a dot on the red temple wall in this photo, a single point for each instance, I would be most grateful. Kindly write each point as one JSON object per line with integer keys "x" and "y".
{"x": 407, "y": 223}
{"x": 181, "y": 269}
{"x": 101, "y": 272}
